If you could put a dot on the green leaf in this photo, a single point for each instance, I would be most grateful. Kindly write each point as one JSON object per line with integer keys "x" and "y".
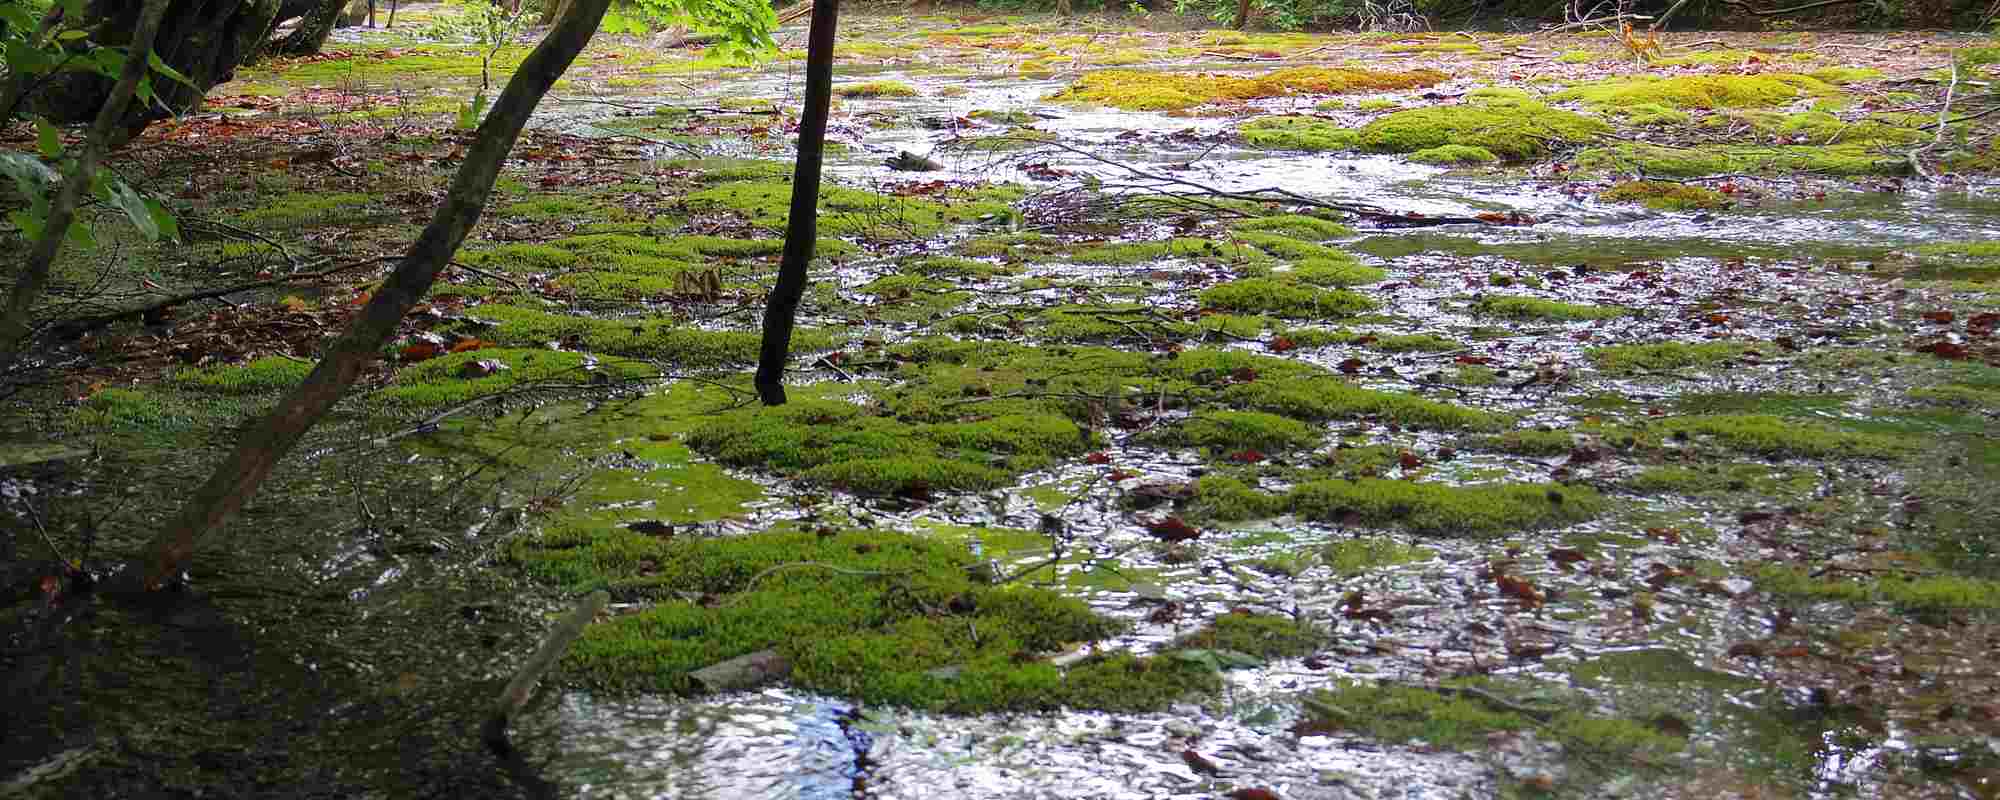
{"x": 29, "y": 223}
{"x": 48, "y": 139}
{"x": 79, "y": 235}
{"x": 170, "y": 228}
{"x": 153, "y": 58}
{"x": 71, "y": 35}
{"x": 135, "y": 210}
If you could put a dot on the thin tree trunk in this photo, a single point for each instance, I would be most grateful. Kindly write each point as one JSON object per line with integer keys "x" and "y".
{"x": 1242, "y": 14}
{"x": 313, "y": 30}
{"x": 16, "y": 322}
{"x": 264, "y": 443}
{"x": 781, "y": 308}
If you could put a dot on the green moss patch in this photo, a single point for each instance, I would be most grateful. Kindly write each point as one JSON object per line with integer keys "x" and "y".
{"x": 1296, "y": 226}
{"x": 1692, "y": 162}
{"x": 1670, "y": 355}
{"x": 1236, "y": 431}
{"x": 303, "y": 210}
{"x": 458, "y": 377}
{"x": 1321, "y": 398}
{"x": 1432, "y": 508}
{"x": 267, "y": 374}
{"x": 1517, "y": 307}
{"x": 1763, "y": 479}
{"x": 1462, "y": 714}
{"x": 1454, "y": 155}
{"x": 1509, "y": 129}
{"x": 875, "y": 89}
{"x": 851, "y": 212}
{"x": 1908, "y": 591}
{"x": 1962, "y": 255}
{"x": 647, "y": 338}
{"x": 1261, "y": 635}
{"x": 1776, "y": 436}
{"x": 1665, "y": 196}
{"x": 1705, "y": 91}
{"x": 878, "y": 617}
{"x": 1168, "y": 91}
{"x": 1285, "y": 299}
{"x": 1360, "y": 556}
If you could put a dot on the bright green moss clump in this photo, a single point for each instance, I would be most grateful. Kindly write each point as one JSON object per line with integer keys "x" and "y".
{"x": 458, "y": 377}
{"x": 875, "y": 616}
{"x": 1962, "y": 255}
{"x": 1782, "y": 437}
{"x": 840, "y": 444}
{"x": 1462, "y": 714}
{"x": 1704, "y": 91}
{"x": 876, "y": 89}
{"x": 1691, "y": 162}
{"x": 1319, "y": 398}
{"x": 1454, "y": 155}
{"x": 295, "y": 210}
{"x": 850, "y": 212}
{"x": 1665, "y": 196}
{"x": 1517, "y": 307}
{"x": 1136, "y": 90}
{"x": 1245, "y": 430}
{"x": 267, "y": 374}
{"x": 1669, "y": 355}
{"x": 647, "y": 338}
{"x": 1926, "y": 592}
{"x": 1261, "y": 635}
{"x": 1293, "y": 132}
{"x": 1285, "y": 299}
{"x": 1512, "y": 130}
{"x": 1447, "y": 510}
{"x": 1296, "y": 226}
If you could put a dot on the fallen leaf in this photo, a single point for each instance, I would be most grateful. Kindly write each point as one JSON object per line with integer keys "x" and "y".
{"x": 1940, "y": 317}
{"x": 1097, "y": 458}
{"x": 1199, "y": 763}
{"x": 1518, "y": 589}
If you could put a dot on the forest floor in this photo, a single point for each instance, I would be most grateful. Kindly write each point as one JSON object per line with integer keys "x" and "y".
{"x": 1353, "y": 415}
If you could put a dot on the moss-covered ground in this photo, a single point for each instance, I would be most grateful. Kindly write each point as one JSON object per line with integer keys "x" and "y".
{"x": 1654, "y": 503}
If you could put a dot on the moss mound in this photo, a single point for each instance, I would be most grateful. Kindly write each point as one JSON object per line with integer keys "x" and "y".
{"x": 1454, "y": 155}
{"x": 1506, "y": 128}
{"x": 1244, "y": 430}
{"x": 879, "y": 617}
{"x": 1517, "y": 307}
{"x": 1450, "y": 510}
{"x": 1776, "y": 436}
{"x": 1706, "y": 91}
{"x": 1692, "y": 162}
{"x": 1261, "y": 635}
{"x": 1665, "y": 196}
{"x": 1296, "y": 226}
{"x": 853, "y": 212}
{"x": 1670, "y": 355}
{"x": 1285, "y": 299}
{"x": 1136, "y": 90}
{"x": 875, "y": 89}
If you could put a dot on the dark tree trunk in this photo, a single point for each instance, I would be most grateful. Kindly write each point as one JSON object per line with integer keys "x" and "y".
{"x": 781, "y": 308}
{"x": 313, "y": 30}
{"x": 1242, "y": 14}
{"x": 269, "y": 439}
{"x": 203, "y": 39}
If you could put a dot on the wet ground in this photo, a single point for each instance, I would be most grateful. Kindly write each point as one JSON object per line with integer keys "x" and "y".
{"x": 1745, "y": 591}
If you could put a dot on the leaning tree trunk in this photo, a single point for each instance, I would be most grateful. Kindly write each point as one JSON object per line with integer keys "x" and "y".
{"x": 17, "y": 318}
{"x": 313, "y": 30}
{"x": 204, "y": 40}
{"x": 781, "y": 308}
{"x": 268, "y": 440}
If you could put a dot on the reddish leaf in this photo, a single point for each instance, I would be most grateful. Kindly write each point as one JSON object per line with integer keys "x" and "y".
{"x": 1252, "y": 794}
{"x": 1199, "y": 763}
{"x": 1518, "y": 589}
{"x": 1795, "y": 651}
{"x": 1280, "y": 344}
{"x": 465, "y": 345}
{"x": 1352, "y": 365}
{"x": 1566, "y": 555}
{"x": 1117, "y": 475}
{"x": 1243, "y": 375}
{"x": 1172, "y": 529}
{"x": 1409, "y": 460}
{"x": 421, "y": 351}
{"x": 1940, "y": 317}
{"x": 1097, "y": 458}
{"x": 1944, "y": 349}
{"x": 1246, "y": 457}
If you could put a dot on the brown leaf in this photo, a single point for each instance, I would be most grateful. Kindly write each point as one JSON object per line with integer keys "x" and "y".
{"x": 1172, "y": 529}
{"x": 1252, "y": 794}
{"x": 1409, "y": 460}
{"x": 1247, "y": 457}
{"x": 1097, "y": 458}
{"x": 1566, "y": 555}
{"x": 1940, "y": 317}
{"x": 1518, "y": 589}
{"x": 1280, "y": 344}
{"x": 1199, "y": 763}
{"x": 1351, "y": 365}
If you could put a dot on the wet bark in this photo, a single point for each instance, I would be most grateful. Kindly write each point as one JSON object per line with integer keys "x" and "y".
{"x": 17, "y": 319}
{"x": 313, "y": 30}
{"x": 203, "y": 40}
{"x": 269, "y": 439}
{"x": 781, "y": 307}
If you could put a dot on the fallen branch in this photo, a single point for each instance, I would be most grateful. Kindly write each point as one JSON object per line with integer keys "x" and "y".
{"x": 494, "y": 732}
{"x": 747, "y": 671}
{"x": 80, "y": 325}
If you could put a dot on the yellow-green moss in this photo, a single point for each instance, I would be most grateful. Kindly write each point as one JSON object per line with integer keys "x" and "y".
{"x": 451, "y": 379}
{"x": 1350, "y": 557}
{"x": 1766, "y": 480}
{"x": 1702, "y": 91}
{"x": 1775, "y": 436}
{"x": 267, "y": 374}
{"x": 1285, "y": 299}
{"x": 304, "y": 209}
{"x": 1261, "y": 635}
{"x": 1344, "y": 271}
{"x": 1454, "y": 154}
{"x": 1665, "y": 196}
{"x": 849, "y": 212}
{"x": 1136, "y": 90}
{"x": 1652, "y": 159}
{"x": 1962, "y": 255}
{"x": 1487, "y": 510}
{"x": 648, "y": 338}
{"x": 1296, "y": 226}
{"x": 875, "y": 89}
{"x": 1293, "y": 132}
{"x": 1661, "y": 356}
{"x": 1231, "y": 431}
{"x": 1319, "y": 398}
{"x": 1917, "y": 592}
{"x": 1528, "y": 442}
{"x": 1517, "y": 307}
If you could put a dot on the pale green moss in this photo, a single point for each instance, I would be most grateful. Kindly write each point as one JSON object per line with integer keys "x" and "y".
{"x": 1234, "y": 431}
{"x": 1782, "y": 437}
{"x": 1517, "y": 307}
{"x": 1285, "y": 299}
{"x": 1261, "y": 635}
{"x": 1962, "y": 255}
{"x": 875, "y": 89}
{"x": 1662, "y": 356}
{"x": 1665, "y": 196}
{"x": 267, "y": 374}
{"x": 457, "y": 377}
{"x": 1333, "y": 272}
{"x": 1454, "y": 154}
{"x": 1446, "y": 510}
{"x": 1349, "y": 557}
{"x": 1296, "y": 226}
{"x": 1652, "y": 159}
{"x": 1702, "y": 91}
{"x": 298, "y": 210}
{"x": 1319, "y": 398}
{"x": 1918, "y": 592}
{"x": 1167, "y": 91}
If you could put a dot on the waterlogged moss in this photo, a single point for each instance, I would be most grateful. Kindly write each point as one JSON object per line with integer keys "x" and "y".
{"x": 1343, "y": 271}
{"x": 1454, "y": 155}
{"x": 1236, "y": 431}
{"x": 1294, "y": 132}
{"x": 306, "y": 209}
{"x": 1321, "y": 398}
{"x": 1488, "y": 510}
{"x": 521, "y": 258}
{"x": 1287, "y": 247}
{"x": 1296, "y": 226}
{"x": 875, "y": 89}
{"x": 1764, "y": 479}
{"x": 1692, "y": 162}
{"x": 434, "y": 64}
{"x": 1387, "y": 343}
{"x": 458, "y": 377}
{"x": 851, "y": 212}
{"x": 1285, "y": 299}
{"x": 1226, "y": 499}
{"x": 1004, "y": 117}
{"x": 267, "y": 374}
{"x": 878, "y": 617}
{"x": 1962, "y": 255}
{"x": 1261, "y": 635}
{"x": 1670, "y": 355}
{"x": 1703, "y": 91}
{"x": 955, "y": 267}
{"x": 647, "y": 338}
{"x": 1463, "y": 714}
{"x": 1775, "y": 436}
{"x": 1517, "y": 307}
{"x": 1529, "y": 442}
{"x": 1135, "y": 90}
{"x": 844, "y": 445}
{"x": 1939, "y": 592}
{"x": 1350, "y": 557}
{"x": 1512, "y": 130}
{"x": 1183, "y": 247}
{"x": 1665, "y": 196}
